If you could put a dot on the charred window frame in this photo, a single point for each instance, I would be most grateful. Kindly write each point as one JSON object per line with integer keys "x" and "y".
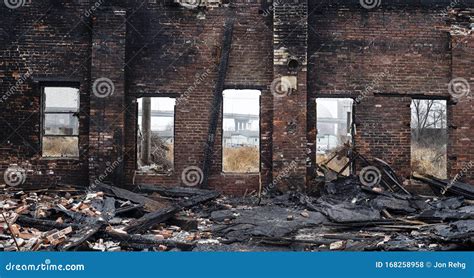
{"x": 60, "y": 123}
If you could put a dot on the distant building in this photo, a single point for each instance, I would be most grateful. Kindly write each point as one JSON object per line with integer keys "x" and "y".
{"x": 243, "y": 132}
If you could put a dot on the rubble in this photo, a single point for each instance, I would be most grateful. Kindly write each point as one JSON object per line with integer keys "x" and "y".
{"x": 106, "y": 219}
{"x": 345, "y": 215}
{"x": 351, "y": 216}
{"x": 446, "y": 187}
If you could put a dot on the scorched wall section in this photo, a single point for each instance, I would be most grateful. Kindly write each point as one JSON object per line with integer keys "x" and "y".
{"x": 383, "y": 57}
{"x": 172, "y": 52}
{"x": 42, "y": 43}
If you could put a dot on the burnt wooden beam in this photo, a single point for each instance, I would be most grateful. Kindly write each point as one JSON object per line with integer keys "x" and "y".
{"x": 151, "y": 219}
{"x": 148, "y": 204}
{"x": 217, "y": 100}
{"x": 143, "y": 242}
{"x": 191, "y": 202}
{"x": 42, "y": 224}
{"x": 175, "y": 192}
{"x": 161, "y": 215}
{"x": 446, "y": 186}
{"x": 80, "y": 236}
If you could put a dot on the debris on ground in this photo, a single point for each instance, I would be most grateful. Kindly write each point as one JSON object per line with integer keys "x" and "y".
{"x": 102, "y": 218}
{"x": 345, "y": 215}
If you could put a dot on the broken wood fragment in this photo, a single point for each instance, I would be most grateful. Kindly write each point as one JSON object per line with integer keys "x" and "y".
{"x": 79, "y": 237}
{"x": 161, "y": 215}
{"x": 445, "y": 186}
{"x": 43, "y": 224}
{"x": 149, "y": 205}
{"x": 151, "y": 219}
{"x": 184, "y": 222}
{"x": 143, "y": 242}
{"x": 175, "y": 192}
{"x": 108, "y": 210}
{"x": 7, "y": 221}
{"x": 59, "y": 236}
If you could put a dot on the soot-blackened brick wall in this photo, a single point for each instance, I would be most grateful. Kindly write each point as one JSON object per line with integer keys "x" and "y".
{"x": 170, "y": 52}
{"x": 290, "y": 92}
{"x": 108, "y": 108}
{"x": 294, "y": 52}
{"x": 383, "y": 58}
{"x": 42, "y": 43}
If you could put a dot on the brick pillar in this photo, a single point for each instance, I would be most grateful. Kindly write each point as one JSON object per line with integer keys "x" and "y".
{"x": 461, "y": 109}
{"x": 107, "y": 100}
{"x": 290, "y": 22}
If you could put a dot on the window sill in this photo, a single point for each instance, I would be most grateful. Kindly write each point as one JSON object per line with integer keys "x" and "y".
{"x": 240, "y": 174}
{"x": 154, "y": 174}
{"x": 60, "y": 158}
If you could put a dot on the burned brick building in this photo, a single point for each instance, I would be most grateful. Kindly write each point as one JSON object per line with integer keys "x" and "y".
{"x": 101, "y": 57}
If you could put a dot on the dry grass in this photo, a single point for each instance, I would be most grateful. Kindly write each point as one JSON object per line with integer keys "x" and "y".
{"x": 162, "y": 157}
{"x": 60, "y": 147}
{"x": 431, "y": 161}
{"x": 169, "y": 152}
{"x": 241, "y": 160}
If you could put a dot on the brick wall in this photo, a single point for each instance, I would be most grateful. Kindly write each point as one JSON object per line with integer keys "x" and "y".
{"x": 385, "y": 57}
{"x": 461, "y": 112}
{"x": 108, "y": 108}
{"x": 171, "y": 52}
{"x": 393, "y": 51}
{"x": 52, "y": 40}
{"x": 290, "y": 97}
{"x": 383, "y": 131}
{"x": 388, "y": 55}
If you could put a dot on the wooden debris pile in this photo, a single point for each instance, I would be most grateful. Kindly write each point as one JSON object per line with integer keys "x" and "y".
{"x": 104, "y": 218}
{"x": 345, "y": 215}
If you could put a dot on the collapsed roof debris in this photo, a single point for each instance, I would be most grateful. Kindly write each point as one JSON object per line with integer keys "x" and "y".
{"x": 447, "y": 187}
{"x": 346, "y": 216}
{"x": 355, "y": 217}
